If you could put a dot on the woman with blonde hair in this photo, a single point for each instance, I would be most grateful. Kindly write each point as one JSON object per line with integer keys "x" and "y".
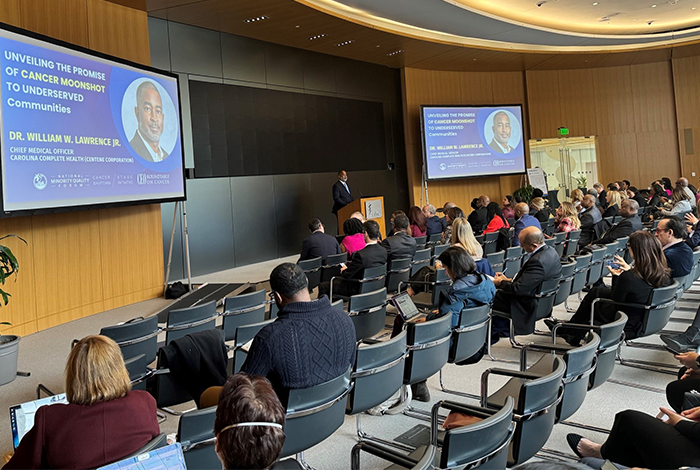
{"x": 614, "y": 203}
{"x": 576, "y": 198}
{"x": 567, "y": 218}
{"x": 104, "y": 420}
{"x": 463, "y": 237}
{"x": 537, "y": 209}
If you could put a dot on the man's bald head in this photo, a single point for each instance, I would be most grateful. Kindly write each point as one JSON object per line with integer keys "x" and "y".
{"x": 521, "y": 209}
{"x": 683, "y": 181}
{"x": 448, "y": 205}
{"x": 588, "y": 201}
{"x": 629, "y": 208}
{"x": 484, "y": 200}
{"x": 531, "y": 238}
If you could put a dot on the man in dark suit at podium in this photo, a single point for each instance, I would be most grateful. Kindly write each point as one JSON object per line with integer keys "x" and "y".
{"x": 341, "y": 192}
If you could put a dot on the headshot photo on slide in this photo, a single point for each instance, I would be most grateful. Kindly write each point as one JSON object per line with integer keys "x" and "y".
{"x": 149, "y": 119}
{"x": 502, "y": 131}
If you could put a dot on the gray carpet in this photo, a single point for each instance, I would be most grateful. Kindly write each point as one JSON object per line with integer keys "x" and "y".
{"x": 44, "y": 355}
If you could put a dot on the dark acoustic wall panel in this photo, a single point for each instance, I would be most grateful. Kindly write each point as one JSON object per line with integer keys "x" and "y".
{"x": 210, "y": 225}
{"x": 243, "y": 58}
{"x": 177, "y": 266}
{"x": 254, "y": 224}
{"x": 243, "y": 131}
{"x": 293, "y": 208}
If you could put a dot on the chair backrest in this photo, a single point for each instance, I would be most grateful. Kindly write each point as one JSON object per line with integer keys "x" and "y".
{"x": 609, "y": 219}
{"x": 596, "y": 267}
{"x": 549, "y": 242}
{"x": 184, "y": 321}
{"x": 483, "y": 444}
{"x": 137, "y": 368}
{"x": 428, "y": 348}
{"x": 479, "y": 238}
{"x": 513, "y": 260}
{"x": 695, "y": 272}
{"x": 572, "y": 242}
{"x": 244, "y": 334}
{"x": 420, "y": 258}
{"x": 496, "y": 260}
{"x": 536, "y": 397}
{"x": 331, "y": 268}
{"x": 580, "y": 364}
{"x": 548, "y": 226}
{"x": 434, "y": 238}
{"x": 195, "y": 432}
{"x": 567, "y": 278}
{"x": 420, "y": 241}
{"x": 368, "y": 313}
{"x": 373, "y": 279}
{"x": 314, "y": 413}
{"x": 490, "y": 240}
{"x": 469, "y": 335}
{"x": 546, "y": 297}
{"x": 135, "y": 337}
{"x": 377, "y": 373}
{"x": 611, "y": 336}
{"x": 611, "y": 250}
{"x": 438, "y": 249}
{"x": 560, "y": 243}
{"x": 312, "y": 269}
{"x": 583, "y": 263}
{"x": 399, "y": 271}
{"x": 442, "y": 285}
{"x": 243, "y": 309}
{"x": 659, "y": 310}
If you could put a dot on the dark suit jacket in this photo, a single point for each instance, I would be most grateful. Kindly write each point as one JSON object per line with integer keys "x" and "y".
{"x": 495, "y": 147}
{"x": 341, "y": 197}
{"x": 370, "y": 256}
{"x": 401, "y": 245}
{"x": 621, "y": 229}
{"x": 434, "y": 225}
{"x": 589, "y": 218}
{"x": 319, "y": 244}
{"x": 680, "y": 259}
{"x": 611, "y": 211}
{"x": 601, "y": 199}
{"x": 478, "y": 219}
{"x": 641, "y": 200}
{"x": 655, "y": 201}
{"x": 542, "y": 266}
{"x": 137, "y": 144}
{"x": 525, "y": 221}
{"x": 542, "y": 215}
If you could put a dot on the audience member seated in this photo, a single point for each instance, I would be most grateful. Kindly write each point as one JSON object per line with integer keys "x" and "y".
{"x": 680, "y": 203}
{"x": 683, "y": 183}
{"x": 594, "y": 193}
{"x": 537, "y": 192}
{"x": 693, "y": 239}
{"x": 354, "y": 236}
{"x": 567, "y": 218}
{"x": 318, "y": 244}
{"x": 479, "y": 218}
{"x": 495, "y": 217}
{"x": 463, "y": 237}
{"x": 433, "y": 223}
{"x": 624, "y": 228}
{"x": 589, "y": 218}
{"x": 671, "y": 232}
{"x": 401, "y": 244}
{"x": 601, "y": 201}
{"x": 393, "y": 216}
{"x": 577, "y": 199}
{"x": 614, "y": 201}
{"x": 517, "y": 296}
{"x": 538, "y": 210}
{"x": 524, "y": 220}
{"x": 311, "y": 341}
{"x": 371, "y": 256}
{"x": 104, "y": 420}
{"x": 417, "y": 221}
{"x": 248, "y": 412}
{"x": 507, "y": 209}
{"x": 630, "y": 284}
{"x": 633, "y": 193}
{"x": 359, "y": 216}
{"x": 451, "y": 215}
{"x": 656, "y": 194}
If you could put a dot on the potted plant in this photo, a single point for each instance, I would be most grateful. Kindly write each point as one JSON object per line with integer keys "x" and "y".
{"x": 9, "y": 344}
{"x": 582, "y": 182}
{"x": 525, "y": 193}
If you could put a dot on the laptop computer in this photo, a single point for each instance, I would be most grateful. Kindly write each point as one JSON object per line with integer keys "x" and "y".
{"x": 22, "y": 416}
{"x": 405, "y": 306}
{"x": 166, "y": 458}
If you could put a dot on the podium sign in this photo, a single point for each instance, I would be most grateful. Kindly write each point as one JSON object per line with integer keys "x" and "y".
{"x": 373, "y": 209}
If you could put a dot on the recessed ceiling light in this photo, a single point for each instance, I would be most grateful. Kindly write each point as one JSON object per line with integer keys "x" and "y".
{"x": 694, "y": 8}
{"x": 378, "y": 45}
{"x": 345, "y": 43}
{"x": 474, "y": 60}
{"x": 395, "y": 52}
{"x": 318, "y": 36}
{"x": 259, "y": 18}
{"x": 297, "y": 26}
{"x": 653, "y": 6}
{"x": 595, "y": 3}
{"x": 649, "y": 23}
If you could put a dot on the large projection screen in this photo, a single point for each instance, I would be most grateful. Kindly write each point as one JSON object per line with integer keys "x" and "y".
{"x": 470, "y": 141}
{"x": 84, "y": 129}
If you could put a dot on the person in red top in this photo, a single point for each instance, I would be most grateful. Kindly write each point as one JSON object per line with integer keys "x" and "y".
{"x": 417, "y": 222}
{"x": 104, "y": 420}
{"x": 495, "y": 218}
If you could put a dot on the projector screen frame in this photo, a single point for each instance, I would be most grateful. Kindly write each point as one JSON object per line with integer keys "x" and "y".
{"x": 101, "y": 205}
{"x": 424, "y": 174}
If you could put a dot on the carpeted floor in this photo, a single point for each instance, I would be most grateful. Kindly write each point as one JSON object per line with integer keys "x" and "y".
{"x": 44, "y": 355}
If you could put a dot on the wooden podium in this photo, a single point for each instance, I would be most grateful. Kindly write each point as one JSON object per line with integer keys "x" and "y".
{"x": 371, "y": 207}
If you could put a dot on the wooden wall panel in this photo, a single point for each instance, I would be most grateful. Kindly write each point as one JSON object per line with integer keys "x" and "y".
{"x": 617, "y": 156}
{"x": 578, "y": 111}
{"x": 119, "y": 31}
{"x": 614, "y": 106}
{"x": 61, "y": 19}
{"x": 544, "y": 103}
{"x": 21, "y": 311}
{"x": 657, "y": 156}
{"x": 476, "y": 88}
{"x": 687, "y": 93}
{"x": 10, "y": 12}
{"x": 652, "y": 86}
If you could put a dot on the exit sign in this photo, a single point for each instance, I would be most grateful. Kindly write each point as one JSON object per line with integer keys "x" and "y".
{"x": 563, "y": 131}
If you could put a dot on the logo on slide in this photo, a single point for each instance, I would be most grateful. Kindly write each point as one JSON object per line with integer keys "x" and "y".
{"x": 40, "y": 181}
{"x": 443, "y": 167}
{"x": 141, "y": 178}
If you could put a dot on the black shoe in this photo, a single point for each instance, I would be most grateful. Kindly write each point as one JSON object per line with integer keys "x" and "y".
{"x": 420, "y": 391}
{"x": 551, "y": 322}
{"x": 573, "y": 440}
{"x": 690, "y": 340}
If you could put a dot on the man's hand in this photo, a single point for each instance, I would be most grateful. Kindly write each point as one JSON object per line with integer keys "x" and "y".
{"x": 500, "y": 277}
{"x": 688, "y": 359}
{"x": 691, "y": 219}
{"x": 693, "y": 413}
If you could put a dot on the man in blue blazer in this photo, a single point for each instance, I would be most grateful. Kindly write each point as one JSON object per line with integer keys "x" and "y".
{"x": 319, "y": 243}
{"x": 671, "y": 232}
{"x": 522, "y": 213}
{"x": 341, "y": 192}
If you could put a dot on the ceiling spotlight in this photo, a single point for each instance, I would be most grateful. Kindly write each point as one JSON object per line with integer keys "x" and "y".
{"x": 318, "y": 36}
{"x": 395, "y": 52}
{"x": 653, "y": 6}
{"x": 539, "y": 4}
{"x": 694, "y": 8}
{"x": 672, "y": 2}
{"x": 595, "y": 3}
{"x": 259, "y": 18}
{"x": 345, "y": 43}
{"x": 649, "y": 23}
{"x": 604, "y": 19}
{"x": 297, "y": 26}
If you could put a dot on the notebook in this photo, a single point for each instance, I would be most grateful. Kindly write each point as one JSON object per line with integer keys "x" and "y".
{"x": 166, "y": 458}
{"x": 405, "y": 306}
{"x": 22, "y": 416}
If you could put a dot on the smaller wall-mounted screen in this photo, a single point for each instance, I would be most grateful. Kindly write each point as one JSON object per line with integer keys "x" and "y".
{"x": 82, "y": 129}
{"x": 469, "y": 141}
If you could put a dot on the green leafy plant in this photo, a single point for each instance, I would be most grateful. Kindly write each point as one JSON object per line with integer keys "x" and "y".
{"x": 9, "y": 266}
{"x": 525, "y": 193}
{"x": 581, "y": 181}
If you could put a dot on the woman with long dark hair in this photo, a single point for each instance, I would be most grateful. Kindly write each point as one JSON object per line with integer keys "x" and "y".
{"x": 417, "y": 222}
{"x": 495, "y": 218}
{"x": 508, "y": 208}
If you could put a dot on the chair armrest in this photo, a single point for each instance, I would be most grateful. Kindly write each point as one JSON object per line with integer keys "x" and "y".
{"x": 383, "y": 452}
{"x": 503, "y": 372}
{"x": 540, "y": 347}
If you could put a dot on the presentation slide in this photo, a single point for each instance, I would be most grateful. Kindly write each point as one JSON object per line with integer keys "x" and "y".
{"x": 460, "y": 141}
{"x": 78, "y": 129}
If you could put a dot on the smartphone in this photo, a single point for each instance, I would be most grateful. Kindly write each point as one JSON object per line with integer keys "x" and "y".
{"x": 612, "y": 264}
{"x": 342, "y": 265}
{"x": 672, "y": 350}
{"x": 608, "y": 465}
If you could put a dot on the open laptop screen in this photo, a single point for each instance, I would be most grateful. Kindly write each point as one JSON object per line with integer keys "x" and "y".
{"x": 22, "y": 416}
{"x": 166, "y": 458}
{"x": 405, "y": 306}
